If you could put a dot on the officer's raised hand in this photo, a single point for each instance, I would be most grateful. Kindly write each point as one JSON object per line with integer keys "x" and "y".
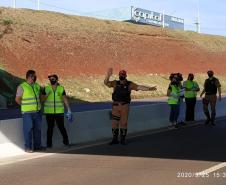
{"x": 110, "y": 72}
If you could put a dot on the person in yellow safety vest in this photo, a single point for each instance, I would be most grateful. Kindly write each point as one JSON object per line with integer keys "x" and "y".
{"x": 173, "y": 94}
{"x": 54, "y": 98}
{"x": 121, "y": 97}
{"x": 28, "y": 97}
{"x": 191, "y": 88}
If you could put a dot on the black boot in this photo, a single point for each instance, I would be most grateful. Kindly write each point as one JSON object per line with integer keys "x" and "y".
{"x": 213, "y": 119}
{"x": 115, "y": 132}
{"x": 66, "y": 142}
{"x": 123, "y": 132}
{"x": 208, "y": 118}
{"x": 49, "y": 143}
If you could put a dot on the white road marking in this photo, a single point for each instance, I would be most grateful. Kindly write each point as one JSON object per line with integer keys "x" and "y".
{"x": 212, "y": 169}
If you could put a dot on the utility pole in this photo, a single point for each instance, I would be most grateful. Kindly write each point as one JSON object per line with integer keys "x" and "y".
{"x": 132, "y": 12}
{"x": 197, "y": 23}
{"x": 14, "y": 3}
{"x": 163, "y": 19}
{"x": 38, "y": 4}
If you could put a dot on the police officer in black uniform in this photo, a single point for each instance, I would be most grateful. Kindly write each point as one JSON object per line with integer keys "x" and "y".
{"x": 121, "y": 100}
{"x": 211, "y": 87}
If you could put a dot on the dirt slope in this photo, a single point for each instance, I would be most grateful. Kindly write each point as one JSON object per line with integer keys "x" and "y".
{"x": 73, "y": 46}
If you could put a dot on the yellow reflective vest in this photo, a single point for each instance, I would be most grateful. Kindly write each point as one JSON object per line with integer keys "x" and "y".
{"x": 54, "y": 102}
{"x": 31, "y": 97}
{"x": 192, "y": 86}
{"x": 174, "y": 96}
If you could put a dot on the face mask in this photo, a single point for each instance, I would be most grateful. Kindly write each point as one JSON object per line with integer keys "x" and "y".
{"x": 191, "y": 78}
{"x": 122, "y": 78}
{"x": 175, "y": 82}
{"x": 210, "y": 75}
{"x": 53, "y": 82}
{"x": 34, "y": 78}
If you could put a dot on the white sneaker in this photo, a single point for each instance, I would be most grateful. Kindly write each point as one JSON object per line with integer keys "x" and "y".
{"x": 171, "y": 126}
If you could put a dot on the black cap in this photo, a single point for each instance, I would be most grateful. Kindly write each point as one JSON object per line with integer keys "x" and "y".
{"x": 54, "y": 76}
{"x": 210, "y": 72}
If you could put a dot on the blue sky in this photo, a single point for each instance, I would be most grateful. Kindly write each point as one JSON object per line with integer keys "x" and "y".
{"x": 212, "y": 13}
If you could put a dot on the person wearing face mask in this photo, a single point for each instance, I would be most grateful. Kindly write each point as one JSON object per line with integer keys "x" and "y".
{"x": 174, "y": 93}
{"x": 211, "y": 87}
{"x": 54, "y": 98}
{"x": 181, "y": 117}
{"x": 28, "y": 97}
{"x": 191, "y": 88}
{"x": 121, "y": 97}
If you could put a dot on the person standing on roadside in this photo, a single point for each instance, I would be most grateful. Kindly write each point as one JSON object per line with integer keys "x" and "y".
{"x": 191, "y": 88}
{"x": 181, "y": 116}
{"x": 211, "y": 87}
{"x": 174, "y": 93}
{"x": 28, "y": 97}
{"x": 54, "y": 98}
{"x": 121, "y": 97}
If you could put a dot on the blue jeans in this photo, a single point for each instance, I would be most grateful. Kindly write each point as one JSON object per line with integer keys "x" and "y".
{"x": 174, "y": 113}
{"x": 32, "y": 127}
{"x": 181, "y": 117}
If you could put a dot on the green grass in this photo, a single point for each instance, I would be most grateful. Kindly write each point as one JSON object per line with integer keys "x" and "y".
{"x": 76, "y": 88}
{"x": 8, "y": 86}
{"x": 92, "y": 89}
{"x": 7, "y": 21}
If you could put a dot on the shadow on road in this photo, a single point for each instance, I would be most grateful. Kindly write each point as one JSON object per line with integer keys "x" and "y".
{"x": 205, "y": 143}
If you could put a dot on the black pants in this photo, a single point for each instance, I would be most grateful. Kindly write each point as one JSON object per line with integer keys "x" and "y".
{"x": 190, "y": 109}
{"x": 59, "y": 119}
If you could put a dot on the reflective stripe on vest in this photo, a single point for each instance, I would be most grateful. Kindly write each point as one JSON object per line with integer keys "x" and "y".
{"x": 30, "y": 98}
{"x": 190, "y": 93}
{"x": 174, "y": 96}
{"x": 54, "y": 102}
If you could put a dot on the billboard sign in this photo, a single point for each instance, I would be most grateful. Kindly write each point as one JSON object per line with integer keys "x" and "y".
{"x": 142, "y": 16}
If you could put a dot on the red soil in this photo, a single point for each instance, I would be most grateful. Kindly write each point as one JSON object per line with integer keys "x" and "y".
{"x": 48, "y": 52}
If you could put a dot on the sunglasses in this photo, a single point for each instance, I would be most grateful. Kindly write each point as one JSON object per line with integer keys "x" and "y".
{"x": 52, "y": 78}
{"x": 33, "y": 76}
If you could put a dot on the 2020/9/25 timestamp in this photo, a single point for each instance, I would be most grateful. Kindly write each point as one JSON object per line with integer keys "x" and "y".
{"x": 202, "y": 175}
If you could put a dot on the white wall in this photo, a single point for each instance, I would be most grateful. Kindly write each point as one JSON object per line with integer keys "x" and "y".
{"x": 94, "y": 125}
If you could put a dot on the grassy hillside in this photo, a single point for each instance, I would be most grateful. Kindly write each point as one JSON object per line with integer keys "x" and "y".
{"x": 92, "y": 89}
{"x": 76, "y": 25}
{"x": 80, "y": 49}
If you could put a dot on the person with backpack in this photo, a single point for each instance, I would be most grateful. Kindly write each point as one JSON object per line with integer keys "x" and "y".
{"x": 121, "y": 97}
{"x": 211, "y": 87}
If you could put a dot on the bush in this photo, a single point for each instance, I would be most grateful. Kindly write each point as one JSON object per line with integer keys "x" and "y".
{"x": 7, "y": 21}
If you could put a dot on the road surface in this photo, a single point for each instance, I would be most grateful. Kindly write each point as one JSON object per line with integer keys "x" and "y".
{"x": 171, "y": 157}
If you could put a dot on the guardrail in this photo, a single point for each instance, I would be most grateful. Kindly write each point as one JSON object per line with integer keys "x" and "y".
{"x": 95, "y": 125}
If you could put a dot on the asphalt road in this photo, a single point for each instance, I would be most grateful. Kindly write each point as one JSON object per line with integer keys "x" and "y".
{"x": 170, "y": 157}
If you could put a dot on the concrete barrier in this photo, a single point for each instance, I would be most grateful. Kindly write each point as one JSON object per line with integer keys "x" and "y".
{"x": 94, "y": 125}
